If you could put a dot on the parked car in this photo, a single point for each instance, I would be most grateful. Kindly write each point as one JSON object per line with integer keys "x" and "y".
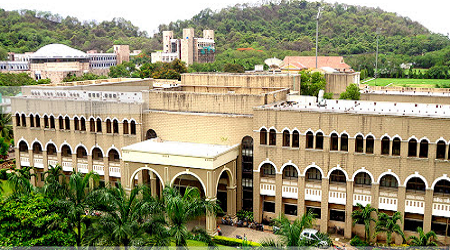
{"x": 311, "y": 234}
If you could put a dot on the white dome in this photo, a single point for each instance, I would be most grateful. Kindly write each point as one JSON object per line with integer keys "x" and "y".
{"x": 58, "y": 51}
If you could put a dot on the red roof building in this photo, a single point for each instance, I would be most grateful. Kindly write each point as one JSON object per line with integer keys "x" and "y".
{"x": 297, "y": 63}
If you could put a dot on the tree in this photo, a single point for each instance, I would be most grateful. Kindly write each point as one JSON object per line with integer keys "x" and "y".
{"x": 424, "y": 239}
{"x": 364, "y": 214}
{"x": 4, "y": 148}
{"x": 312, "y": 83}
{"x": 233, "y": 68}
{"x": 55, "y": 183}
{"x": 20, "y": 181}
{"x": 6, "y": 130}
{"x": 290, "y": 232}
{"x": 389, "y": 225}
{"x": 351, "y": 93}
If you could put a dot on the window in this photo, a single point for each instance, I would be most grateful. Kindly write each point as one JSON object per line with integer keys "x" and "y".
{"x": 263, "y": 136}
{"x": 315, "y": 210}
{"x": 81, "y": 152}
{"x": 290, "y": 172}
{"x": 359, "y": 144}
{"x": 61, "y": 122}
{"x": 440, "y": 150}
{"x": 24, "y": 121}
{"x": 37, "y": 149}
{"x": 290, "y": 209}
{"x": 344, "y": 142}
{"x": 337, "y": 215}
{"x": 309, "y": 140}
{"x": 17, "y": 120}
{"x": 385, "y": 145}
{"x": 115, "y": 127}
{"x": 423, "y": 153}
{"x": 65, "y": 151}
{"x": 313, "y": 174}
{"x": 369, "y": 144}
{"x": 108, "y": 126}
{"x": 389, "y": 181}
{"x": 295, "y": 139}
{"x": 92, "y": 125}
{"x": 247, "y": 182}
{"x": 319, "y": 140}
{"x": 150, "y": 134}
{"x": 442, "y": 186}
{"x": 76, "y": 123}
{"x": 412, "y": 224}
{"x": 125, "y": 127}
{"x": 272, "y": 137}
{"x": 133, "y": 127}
{"x": 52, "y": 122}
{"x": 83, "y": 124}
{"x": 23, "y": 147}
{"x": 412, "y": 148}
{"x": 337, "y": 176}
{"x": 363, "y": 179}
{"x": 67, "y": 123}
{"x": 415, "y": 184}
{"x": 396, "y": 144}
{"x": 269, "y": 206}
{"x": 97, "y": 154}
{"x": 268, "y": 170}
{"x": 286, "y": 138}
{"x": 113, "y": 156}
{"x": 99, "y": 125}
{"x": 38, "y": 121}
{"x": 334, "y": 142}
{"x": 31, "y": 121}
{"x": 46, "y": 121}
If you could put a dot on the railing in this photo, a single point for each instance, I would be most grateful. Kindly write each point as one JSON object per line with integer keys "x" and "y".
{"x": 67, "y": 166}
{"x": 414, "y": 206}
{"x": 38, "y": 163}
{"x": 313, "y": 194}
{"x": 268, "y": 180}
{"x": 441, "y": 200}
{"x": 388, "y": 203}
{"x": 99, "y": 169}
{"x": 441, "y": 210}
{"x": 267, "y": 189}
{"x": 361, "y": 199}
{"x": 114, "y": 171}
{"x": 293, "y": 182}
{"x": 82, "y": 167}
{"x": 337, "y": 197}
{"x": 24, "y": 161}
{"x": 52, "y": 163}
{"x": 289, "y": 192}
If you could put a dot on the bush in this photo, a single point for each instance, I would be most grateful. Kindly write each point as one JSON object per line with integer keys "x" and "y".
{"x": 221, "y": 240}
{"x": 351, "y": 93}
{"x": 242, "y": 214}
{"x": 357, "y": 242}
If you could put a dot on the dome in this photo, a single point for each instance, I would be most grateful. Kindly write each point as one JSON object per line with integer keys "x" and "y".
{"x": 58, "y": 51}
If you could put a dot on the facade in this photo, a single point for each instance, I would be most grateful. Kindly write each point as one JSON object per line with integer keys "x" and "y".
{"x": 189, "y": 49}
{"x": 246, "y": 146}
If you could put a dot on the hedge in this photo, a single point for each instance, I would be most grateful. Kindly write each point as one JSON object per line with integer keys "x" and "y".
{"x": 226, "y": 241}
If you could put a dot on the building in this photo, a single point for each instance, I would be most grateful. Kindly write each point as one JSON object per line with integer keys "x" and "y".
{"x": 246, "y": 145}
{"x": 189, "y": 49}
{"x": 326, "y": 63}
{"x": 56, "y": 61}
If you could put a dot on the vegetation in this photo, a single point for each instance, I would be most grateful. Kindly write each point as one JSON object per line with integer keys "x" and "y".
{"x": 233, "y": 68}
{"x": 357, "y": 242}
{"x": 11, "y": 82}
{"x": 351, "y": 93}
{"x": 389, "y": 225}
{"x": 417, "y": 83}
{"x": 290, "y": 232}
{"x": 312, "y": 83}
{"x": 424, "y": 239}
{"x": 364, "y": 215}
{"x": 226, "y": 241}
{"x": 86, "y": 76}
{"x": 162, "y": 70}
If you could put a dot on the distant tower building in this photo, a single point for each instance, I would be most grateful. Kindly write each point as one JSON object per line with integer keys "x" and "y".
{"x": 167, "y": 45}
{"x": 122, "y": 52}
{"x": 187, "y": 46}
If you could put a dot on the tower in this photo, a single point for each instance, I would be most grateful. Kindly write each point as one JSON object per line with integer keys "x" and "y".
{"x": 167, "y": 45}
{"x": 187, "y": 46}
{"x": 122, "y": 53}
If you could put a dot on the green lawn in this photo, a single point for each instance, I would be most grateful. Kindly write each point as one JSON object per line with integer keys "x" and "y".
{"x": 402, "y": 82}
{"x": 6, "y": 188}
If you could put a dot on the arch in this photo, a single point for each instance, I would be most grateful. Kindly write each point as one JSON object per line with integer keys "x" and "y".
{"x": 426, "y": 139}
{"x": 150, "y": 134}
{"x": 308, "y": 130}
{"x": 65, "y": 143}
{"x": 51, "y": 142}
{"x": 338, "y": 168}
{"x": 344, "y": 133}
{"x": 145, "y": 168}
{"x": 389, "y": 172}
{"x": 386, "y": 135}
{"x": 333, "y": 132}
{"x": 264, "y": 162}
{"x": 97, "y": 146}
{"x": 313, "y": 165}
{"x": 397, "y": 136}
{"x": 370, "y": 134}
{"x": 83, "y": 146}
{"x": 22, "y": 139}
{"x": 443, "y": 177}
{"x": 319, "y": 131}
{"x": 442, "y": 139}
{"x": 417, "y": 175}
{"x": 359, "y": 133}
{"x": 230, "y": 178}
{"x": 276, "y": 131}
{"x": 37, "y": 141}
{"x": 286, "y": 128}
{"x": 290, "y": 164}
{"x": 363, "y": 170}
{"x": 263, "y": 127}
{"x": 193, "y": 174}
{"x": 113, "y": 148}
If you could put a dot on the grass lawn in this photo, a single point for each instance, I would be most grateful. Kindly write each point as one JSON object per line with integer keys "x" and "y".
{"x": 402, "y": 82}
{"x": 6, "y": 188}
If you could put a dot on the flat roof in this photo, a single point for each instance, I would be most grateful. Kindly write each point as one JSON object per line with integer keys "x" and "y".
{"x": 412, "y": 93}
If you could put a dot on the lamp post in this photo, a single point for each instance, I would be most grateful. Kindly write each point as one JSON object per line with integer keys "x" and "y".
{"x": 376, "y": 58}
{"x": 317, "y": 33}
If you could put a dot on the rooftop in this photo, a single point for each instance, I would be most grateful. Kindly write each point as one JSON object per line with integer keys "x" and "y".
{"x": 309, "y": 62}
{"x": 58, "y": 51}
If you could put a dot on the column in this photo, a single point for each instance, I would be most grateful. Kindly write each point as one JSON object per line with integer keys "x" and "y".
{"x": 301, "y": 196}
{"x": 59, "y": 158}
{"x": 211, "y": 227}
{"x": 401, "y": 208}
{"x": 45, "y": 160}
{"x": 153, "y": 184}
{"x": 256, "y": 197}
{"x": 349, "y": 210}
{"x": 90, "y": 163}
{"x": 74, "y": 160}
{"x": 231, "y": 201}
{"x": 324, "y": 205}
{"x": 428, "y": 213}
{"x": 31, "y": 159}
{"x": 17, "y": 155}
{"x": 106, "y": 170}
{"x": 278, "y": 194}
{"x": 375, "y": 190}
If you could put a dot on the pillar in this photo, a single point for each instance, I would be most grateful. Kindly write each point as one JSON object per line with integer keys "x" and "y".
{"x": 59, "y": 158}
{"x": 106, "y": 170}
{"x": 324, "y": 205}
{"x": 231, "y": 201}
{"x": 278, "y": 194}
{"x": 349, "y": 210}
{"x": 153, "y": 184}
{"x": 17, "y": 155}
{"x": 74, "y": 160}
{"x": 45, "y": 160}
{"x": 31, "y": 159}
{"x": 90, "y": 163}
{"x": 375, "y": 190}
{"x": 257, "y": 213}
{"x": 211, "y": 227}
{"x": 301, "y": 196}
{"x": 401, "y": 208}
{"x": 428, "y": 211}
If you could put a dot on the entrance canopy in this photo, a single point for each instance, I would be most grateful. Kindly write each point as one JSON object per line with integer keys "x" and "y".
{"x": 182, "y": 154}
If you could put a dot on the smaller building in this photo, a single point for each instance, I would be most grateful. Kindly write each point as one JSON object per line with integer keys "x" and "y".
{"x": 299, "y": 63}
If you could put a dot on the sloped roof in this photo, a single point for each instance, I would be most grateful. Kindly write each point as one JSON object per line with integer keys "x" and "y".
{"x": 309, "y": 62}
{"x": 58, "y": 51}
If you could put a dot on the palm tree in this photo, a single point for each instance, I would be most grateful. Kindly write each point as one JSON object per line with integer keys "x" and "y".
{"x": 363, "y": 214}
{"x": 6, "y": 130}
{"x": 180, "y": 209}
{"x": 291, "y": 231}
{"x": 424, "y": 239}
{"x": 55, "y": 183}
{"x": 73, "y": 207}
{"x": 20, "y": 181}
{"x": 389, "y": 225}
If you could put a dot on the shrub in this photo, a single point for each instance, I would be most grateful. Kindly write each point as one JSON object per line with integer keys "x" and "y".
{"x": 351, "y": 93}
{"x": 221, "y": 240}
{"x": 357, "y": 242}
{"x": 242, "y": 214}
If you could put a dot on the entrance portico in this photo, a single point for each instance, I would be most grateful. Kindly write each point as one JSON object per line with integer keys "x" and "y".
{"x": 166, "y": 161}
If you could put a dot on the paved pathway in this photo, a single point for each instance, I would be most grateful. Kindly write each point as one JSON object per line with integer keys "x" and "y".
{"x": 251, "y": 234}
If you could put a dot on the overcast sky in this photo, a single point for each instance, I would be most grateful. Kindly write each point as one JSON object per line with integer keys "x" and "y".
{"x": 147, "y": 15}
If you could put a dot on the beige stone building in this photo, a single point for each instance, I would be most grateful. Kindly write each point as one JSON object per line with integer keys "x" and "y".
{"x": 244, "y": 144}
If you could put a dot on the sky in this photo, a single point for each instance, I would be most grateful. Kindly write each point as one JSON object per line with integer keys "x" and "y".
{"x": 147, "y": 15}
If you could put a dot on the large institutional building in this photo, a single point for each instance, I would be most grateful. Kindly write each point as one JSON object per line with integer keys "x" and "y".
{"x": 251, "y": 142}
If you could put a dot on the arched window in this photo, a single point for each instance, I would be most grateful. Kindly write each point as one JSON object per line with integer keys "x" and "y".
{"x": 51, "y": 149}
{"x": 81, "y": 153}
{"x": 295, "y": 139}
{"x": 76, "y": 123}
{"x": 272, "y": 137}
{"x": 83, "y": 124}
{"x": 263, "y": 136}
{"x": 290, "y": 172}
{"x": 344, "y": 142}
{"x": 313, "y": 174}
{"x": 359, "y": 144}
{"x": 337, "y": 176}
{"x": 115, "y": 127}
{"x": 65, "y": 151}
{"x": 92, "y": 125}
{"x": 23, "y": 147}
{"x": 150, "y": 134}
{"x": 113, "y": 156}
{"x": 133, "y": 127}
{"x": 319, "y": 140}
{"x": 423, "y": 152}
{"x": 46, "y": 124}
{"x": 24, "y": 121}
{"x": 286, "y": 138}
{"x": 412, "y": 148}
{"x": 52, "y": 122}
{"x": 334, "y": 142}
{"x": 67, "y": 123}
{"x": 125, "y": 127}
{"x": 31, "y": 121}
{"x": 17, "y": 120}
{"x": 396, "y": 144}
{"x": 385, "y": 145}
{"x": 363, "y": 179}
{"x": 415, "y": 184}
{"x": 369, "y": 144}
{"x": 442, "y": 186}
{"x": 440, "y": 150}
{"x": 268, "y": 170}
{"x": 37, "y": 149}
{"x": 309, "y": 139}
{"x": 389, "y": 181}
{"x": 99, "y": 125}
{"x": 97, "y": 154}
{"x": 61, "y": 122}
{"x": 108, "y": 126}
{"x": 38, "y": 121}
